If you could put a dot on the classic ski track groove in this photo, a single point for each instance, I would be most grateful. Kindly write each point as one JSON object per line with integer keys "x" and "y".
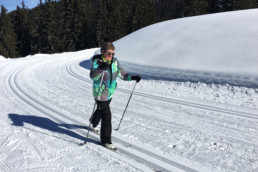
{"x": 33, "y": 104}
{"x": 233, "y": 132}
{"x": 156, "y": 161}
{"x": 175, "y": 101}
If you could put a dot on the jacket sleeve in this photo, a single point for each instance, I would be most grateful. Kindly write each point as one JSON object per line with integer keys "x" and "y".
{"x": 122, "y": 73}
{"x": 95, "y": 72}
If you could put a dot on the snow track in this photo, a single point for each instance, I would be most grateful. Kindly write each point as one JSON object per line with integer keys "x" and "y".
{"x": 230, "y": 112}
{"x": 231, "y": 133}
{"x": 127, "y": 151}
{"x": 43, "y": 108}
{"x": 171, "y": 128}
{"x": 174, "y": 101}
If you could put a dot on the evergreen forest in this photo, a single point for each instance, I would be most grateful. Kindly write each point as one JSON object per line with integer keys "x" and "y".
{"x": 56, "y": 26}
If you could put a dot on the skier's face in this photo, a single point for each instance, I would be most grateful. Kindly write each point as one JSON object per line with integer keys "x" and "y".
{"x": 109, "y": 54}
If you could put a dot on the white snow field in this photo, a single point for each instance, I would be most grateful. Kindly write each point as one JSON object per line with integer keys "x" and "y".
{"x": 196, "y": 108}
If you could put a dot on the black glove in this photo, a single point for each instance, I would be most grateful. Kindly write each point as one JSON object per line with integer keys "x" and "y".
{"x": 103, "y": 66}
{"x": 137, "y": 78}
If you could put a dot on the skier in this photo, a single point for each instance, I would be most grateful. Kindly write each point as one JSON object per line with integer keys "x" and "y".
{"x": 108, "y": 65}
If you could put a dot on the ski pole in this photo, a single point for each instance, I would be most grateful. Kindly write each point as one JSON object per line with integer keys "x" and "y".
{"x": 126, "y": 106}
{"x": 102, "y": 76}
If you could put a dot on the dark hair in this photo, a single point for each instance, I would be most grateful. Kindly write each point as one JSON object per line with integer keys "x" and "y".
{"x": 107, "y": 46}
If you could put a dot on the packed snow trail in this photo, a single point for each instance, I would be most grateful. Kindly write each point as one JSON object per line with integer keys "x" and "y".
{"x": 175, "y": 101}
{"x": 136, "y": 152}
{"x": 159, "y": 139}
{"x": 48, "y": 124}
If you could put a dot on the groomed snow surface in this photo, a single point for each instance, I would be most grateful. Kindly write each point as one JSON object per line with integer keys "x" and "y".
{"x": 194, "y": 110}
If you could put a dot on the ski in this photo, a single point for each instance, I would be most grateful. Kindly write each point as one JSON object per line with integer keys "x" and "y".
{"x": 98, "y": 143}
{"x": 112, "y": 149}
{"x": 96, "y": 132}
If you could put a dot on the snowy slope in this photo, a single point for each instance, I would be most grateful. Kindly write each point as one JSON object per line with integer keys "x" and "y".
{"x": 1, "y": 58}
{"x": 204, "y": 48}
{"x": 46, "y": 101}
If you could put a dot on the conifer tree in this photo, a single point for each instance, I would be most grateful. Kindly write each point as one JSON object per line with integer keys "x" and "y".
{"x": 256, "y": 3}
{"x": 23, "y": 30}
{"x": 144, "y": 14}
{"x": 117, "y": 18}
{"x": 90, "y": 25}
{"x": 227, "y": 5}
{"x": 102, "y": 22}
{"x": 111, "y": 20}
{"x": 74, "y": 23}
{"x": 244, "y": 4}
{"x": 214, "y": 6}
{"x": 53, "y": 19}
{"x": 81, "y": 24}
{"x": 40, "y": 35}
{"x": 171, "y": 9}
{"x": 197, "y": 7}
{"x": 7, "y": 36}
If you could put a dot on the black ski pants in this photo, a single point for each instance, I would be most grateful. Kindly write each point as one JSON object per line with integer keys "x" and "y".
{"x": 103, "y": 113}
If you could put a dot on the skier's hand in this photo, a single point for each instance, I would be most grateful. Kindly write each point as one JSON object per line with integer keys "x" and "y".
{"x": 137, "y": 78}
{"x": 103, "y": 66}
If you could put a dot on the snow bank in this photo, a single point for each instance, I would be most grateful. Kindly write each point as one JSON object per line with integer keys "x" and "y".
{"x": 224, "y": 44}
{"x": 2, "y": 58}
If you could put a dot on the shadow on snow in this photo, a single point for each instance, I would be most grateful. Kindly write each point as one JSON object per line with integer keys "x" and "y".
{"x": 48, "y": 124}
{"x": 159, "y": 73}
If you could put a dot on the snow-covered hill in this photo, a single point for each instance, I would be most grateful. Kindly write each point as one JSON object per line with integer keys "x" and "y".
{"x": 1, "y": 58}
{"x": 210, "y": 48}
{"x": 171, "y": 124}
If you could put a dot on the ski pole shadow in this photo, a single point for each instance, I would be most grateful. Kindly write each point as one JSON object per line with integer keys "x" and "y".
{"x": 48, "y": 124}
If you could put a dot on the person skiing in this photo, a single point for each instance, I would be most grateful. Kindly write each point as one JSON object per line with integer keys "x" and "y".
{"x": 108, "y": 65}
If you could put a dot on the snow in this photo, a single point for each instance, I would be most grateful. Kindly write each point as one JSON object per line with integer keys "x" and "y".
{"x": 215, "y": 47}
{"x": 2, "y": 58}
{"x": 196, "y": 116}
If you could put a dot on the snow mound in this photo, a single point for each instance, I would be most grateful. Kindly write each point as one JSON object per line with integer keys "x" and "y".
{"x": 2, "y": 58}
{"x": 218, "y": 48}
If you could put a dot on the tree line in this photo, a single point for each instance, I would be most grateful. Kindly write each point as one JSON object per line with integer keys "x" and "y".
{"x": 56, "y": 26}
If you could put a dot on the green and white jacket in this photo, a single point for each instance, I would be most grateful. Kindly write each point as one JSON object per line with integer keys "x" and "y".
{"x": 109, "y": 83}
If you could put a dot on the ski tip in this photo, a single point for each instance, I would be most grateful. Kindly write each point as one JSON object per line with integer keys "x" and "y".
{"x": 115, "y": 149}
{"x": 112, "y": 149}
{"x": 82, "y": 144}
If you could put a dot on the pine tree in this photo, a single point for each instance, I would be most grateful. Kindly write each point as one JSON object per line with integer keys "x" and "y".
{"x": 172, "y": 9}
{"x": 244, "y": 4}
{"x": 227, "y": 5}
{"x": 197, "y": 7}
{"x": 7, "y": 36}
{"x": 90, "y": 25}
{"x": 74, "y": 14}
{"x": 81, "y": 24}
{"x": 256, "y": 3}
{"x": 40, "y": 35}
{"x": 22, "y": 30}
{"x": 117, "y": 19}
{"x": 102, "y": 22}
{"x": 53, "y": 20}
{"x": 114, "y": 22}
{"x": 144, "y": 14}
{"x": 214, "y": 6}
